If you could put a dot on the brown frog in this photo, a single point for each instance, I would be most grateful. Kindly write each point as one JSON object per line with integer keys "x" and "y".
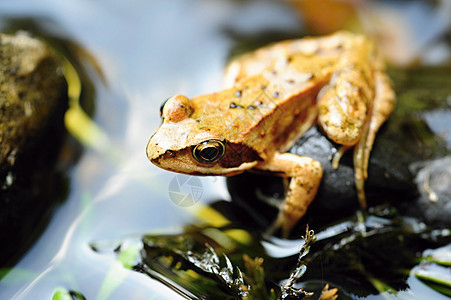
{"x": 272, "y": 97}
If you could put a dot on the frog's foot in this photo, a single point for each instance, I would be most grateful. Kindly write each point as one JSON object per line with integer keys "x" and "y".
{"x": 282, "y": 223}
{"x": 361, "y": 157}
{"x": 305, "y": 174}
{"x": 338, "y": 155}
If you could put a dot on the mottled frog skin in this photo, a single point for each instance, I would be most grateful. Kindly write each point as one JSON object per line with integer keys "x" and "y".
{"x": 271, "y": 98}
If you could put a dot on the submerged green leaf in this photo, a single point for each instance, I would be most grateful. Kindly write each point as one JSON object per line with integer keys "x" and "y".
{"x": 63, "y": 294}
{"x": 436, "y": 277}
{"x": 441, "y": 256}
{"x": 129, "y": 255}
{"x": 435, "y": 270}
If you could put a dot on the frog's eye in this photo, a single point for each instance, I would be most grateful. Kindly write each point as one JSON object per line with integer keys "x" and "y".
{"x": 209, "y": 151}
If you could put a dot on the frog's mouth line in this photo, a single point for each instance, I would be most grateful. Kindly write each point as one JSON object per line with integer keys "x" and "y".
{"x": 208, "y": 171}
{"x": 183, "y": 162}
{"x": 215, "y": 172}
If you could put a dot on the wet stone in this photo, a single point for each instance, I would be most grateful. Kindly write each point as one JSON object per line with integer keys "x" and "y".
{"x": 433, "y": 180}
{"x": 32, "y": 105}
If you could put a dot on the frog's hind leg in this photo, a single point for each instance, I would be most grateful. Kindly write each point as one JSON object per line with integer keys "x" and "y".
{"x": 342, "y": 114}
{"x": 361, "y": 164}
{"x": 383, "y": 105}
{"x": 305, "y": 174}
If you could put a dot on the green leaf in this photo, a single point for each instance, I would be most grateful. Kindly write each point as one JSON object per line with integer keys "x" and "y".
{"x": 436, "y": 277}
{"x": 441, "y": 256}
{"x": 129, "y": 255}
{"x": 63, "y": 294}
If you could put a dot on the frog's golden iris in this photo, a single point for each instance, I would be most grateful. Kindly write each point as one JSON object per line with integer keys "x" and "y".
{"x": 209, "y": 152}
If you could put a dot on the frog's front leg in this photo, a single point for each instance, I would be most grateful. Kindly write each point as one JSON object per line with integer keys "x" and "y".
{"x": 305, "y": 174}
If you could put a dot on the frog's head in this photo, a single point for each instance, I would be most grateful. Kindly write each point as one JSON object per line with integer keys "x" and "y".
{"x": 183, "y": 145}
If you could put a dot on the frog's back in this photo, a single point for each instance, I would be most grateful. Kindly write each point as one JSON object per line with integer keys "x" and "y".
{"x": 271, "y": 94}
{"x": 310, "y": 48}
{"x": 267, "y": 109}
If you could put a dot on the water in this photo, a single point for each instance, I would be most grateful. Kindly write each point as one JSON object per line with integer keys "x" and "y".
{"x": 147, "y": 51}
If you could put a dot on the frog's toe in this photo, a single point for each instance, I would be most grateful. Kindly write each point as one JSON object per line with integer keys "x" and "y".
{"x": 360, "y": 187}
{"x": 283, "y": 223}
{"x": 338, "y": 155}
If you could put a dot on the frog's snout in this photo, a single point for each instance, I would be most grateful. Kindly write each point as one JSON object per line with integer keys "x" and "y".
{"x": 153, "y": 151}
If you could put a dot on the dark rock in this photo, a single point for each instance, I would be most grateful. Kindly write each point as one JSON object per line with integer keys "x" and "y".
{"x": 33, "y": 99}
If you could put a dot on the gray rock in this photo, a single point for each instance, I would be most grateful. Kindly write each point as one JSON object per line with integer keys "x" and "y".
{"x": 434, "y": 185}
